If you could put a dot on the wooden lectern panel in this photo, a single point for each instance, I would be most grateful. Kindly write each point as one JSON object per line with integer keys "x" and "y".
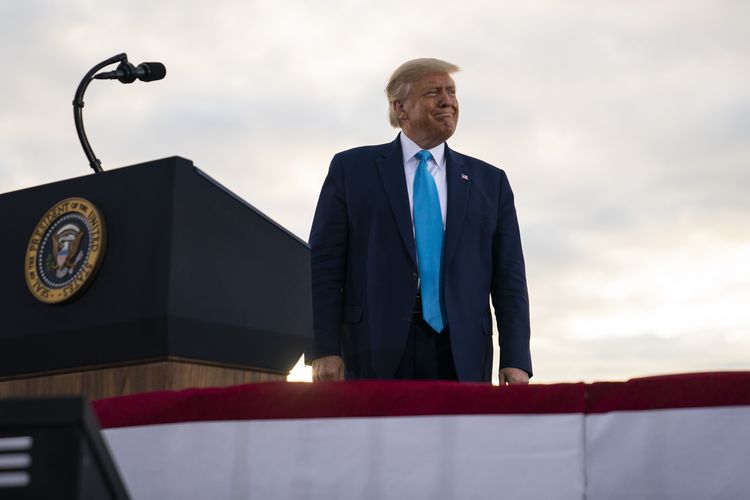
{"x": 130, "y": 379}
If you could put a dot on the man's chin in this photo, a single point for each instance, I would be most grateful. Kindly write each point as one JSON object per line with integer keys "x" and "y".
{"x": 447, "y": 125}
{"x": 447, "y": 132}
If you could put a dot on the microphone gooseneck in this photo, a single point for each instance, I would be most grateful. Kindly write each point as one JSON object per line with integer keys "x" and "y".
{"x": 126, "y": 73}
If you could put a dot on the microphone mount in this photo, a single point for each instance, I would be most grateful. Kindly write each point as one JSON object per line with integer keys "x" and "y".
{"x": 126, "y": 73}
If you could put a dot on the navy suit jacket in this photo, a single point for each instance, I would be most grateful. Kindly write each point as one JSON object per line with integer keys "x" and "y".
{"x": 364, "y": 265}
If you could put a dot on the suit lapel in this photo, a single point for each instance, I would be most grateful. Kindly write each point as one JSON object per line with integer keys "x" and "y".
{"x": 391, "y": 169}
{"x": 457, "y": 176}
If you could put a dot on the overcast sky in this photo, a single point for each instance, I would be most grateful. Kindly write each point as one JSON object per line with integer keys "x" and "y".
{"x": 624, "y": 128}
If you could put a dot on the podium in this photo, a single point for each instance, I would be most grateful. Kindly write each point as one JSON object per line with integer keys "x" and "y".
{"x": 194, "y": 287}
{"x": 53, "y": 449}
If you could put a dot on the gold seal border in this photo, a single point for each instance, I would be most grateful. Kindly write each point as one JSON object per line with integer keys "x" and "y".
{"x": 85, "y": 276}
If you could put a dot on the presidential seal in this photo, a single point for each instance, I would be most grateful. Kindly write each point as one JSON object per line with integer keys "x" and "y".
{"x": 65, "y": 251}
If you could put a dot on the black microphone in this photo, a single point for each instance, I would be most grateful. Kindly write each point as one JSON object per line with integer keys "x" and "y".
{"x": 127, "y": 73}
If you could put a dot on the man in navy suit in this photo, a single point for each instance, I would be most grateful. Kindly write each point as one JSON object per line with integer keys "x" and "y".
{"x": 381, "y": 308}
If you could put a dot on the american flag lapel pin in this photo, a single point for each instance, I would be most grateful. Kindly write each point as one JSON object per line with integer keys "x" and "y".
{"x": 464, "y": 177}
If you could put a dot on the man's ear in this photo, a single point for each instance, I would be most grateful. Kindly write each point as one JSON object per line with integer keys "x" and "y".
{"x": 400, "y": 110}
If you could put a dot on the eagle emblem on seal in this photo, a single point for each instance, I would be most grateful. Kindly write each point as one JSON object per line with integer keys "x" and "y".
{"x": 66, "y": 252}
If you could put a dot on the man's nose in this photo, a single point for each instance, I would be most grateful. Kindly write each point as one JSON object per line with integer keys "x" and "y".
{"x": 445, "y": 98}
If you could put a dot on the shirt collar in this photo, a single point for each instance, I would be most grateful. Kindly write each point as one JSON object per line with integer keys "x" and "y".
{"x": 410, "y": 148}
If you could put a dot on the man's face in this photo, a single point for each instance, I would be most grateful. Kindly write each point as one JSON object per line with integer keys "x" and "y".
{"x": 429, "y": 114}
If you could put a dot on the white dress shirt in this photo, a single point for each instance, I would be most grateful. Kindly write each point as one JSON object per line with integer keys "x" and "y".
{"x": 436, "y": 167}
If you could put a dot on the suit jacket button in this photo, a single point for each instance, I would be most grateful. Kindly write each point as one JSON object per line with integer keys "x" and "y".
{"x": 415, "y": 276}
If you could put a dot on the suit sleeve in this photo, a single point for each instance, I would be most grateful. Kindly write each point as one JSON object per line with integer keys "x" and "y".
{"x": 328, "y": 255}
{"x": 509, "y": 291}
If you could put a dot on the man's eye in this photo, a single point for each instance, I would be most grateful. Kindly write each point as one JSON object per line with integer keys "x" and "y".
{"x": 431, "y": 94}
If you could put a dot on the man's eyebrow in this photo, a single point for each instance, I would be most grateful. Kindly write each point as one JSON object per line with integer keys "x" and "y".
{"x": 433, "y": 88}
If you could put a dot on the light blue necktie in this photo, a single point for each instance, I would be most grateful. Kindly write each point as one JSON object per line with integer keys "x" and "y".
{"x": 428, "y": 232}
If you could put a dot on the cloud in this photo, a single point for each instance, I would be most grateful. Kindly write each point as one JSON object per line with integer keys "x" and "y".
{"x": 620, "y": 358}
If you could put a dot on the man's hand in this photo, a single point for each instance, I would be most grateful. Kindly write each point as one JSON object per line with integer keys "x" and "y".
{"x": 509, "y": 376}
{"x": 329, "y": 368}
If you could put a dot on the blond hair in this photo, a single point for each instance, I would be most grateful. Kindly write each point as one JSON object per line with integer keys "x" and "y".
{"x": 408, "y": 73}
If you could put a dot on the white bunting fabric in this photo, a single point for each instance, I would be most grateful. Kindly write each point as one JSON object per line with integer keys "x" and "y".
{"x": 682, "y": 437}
